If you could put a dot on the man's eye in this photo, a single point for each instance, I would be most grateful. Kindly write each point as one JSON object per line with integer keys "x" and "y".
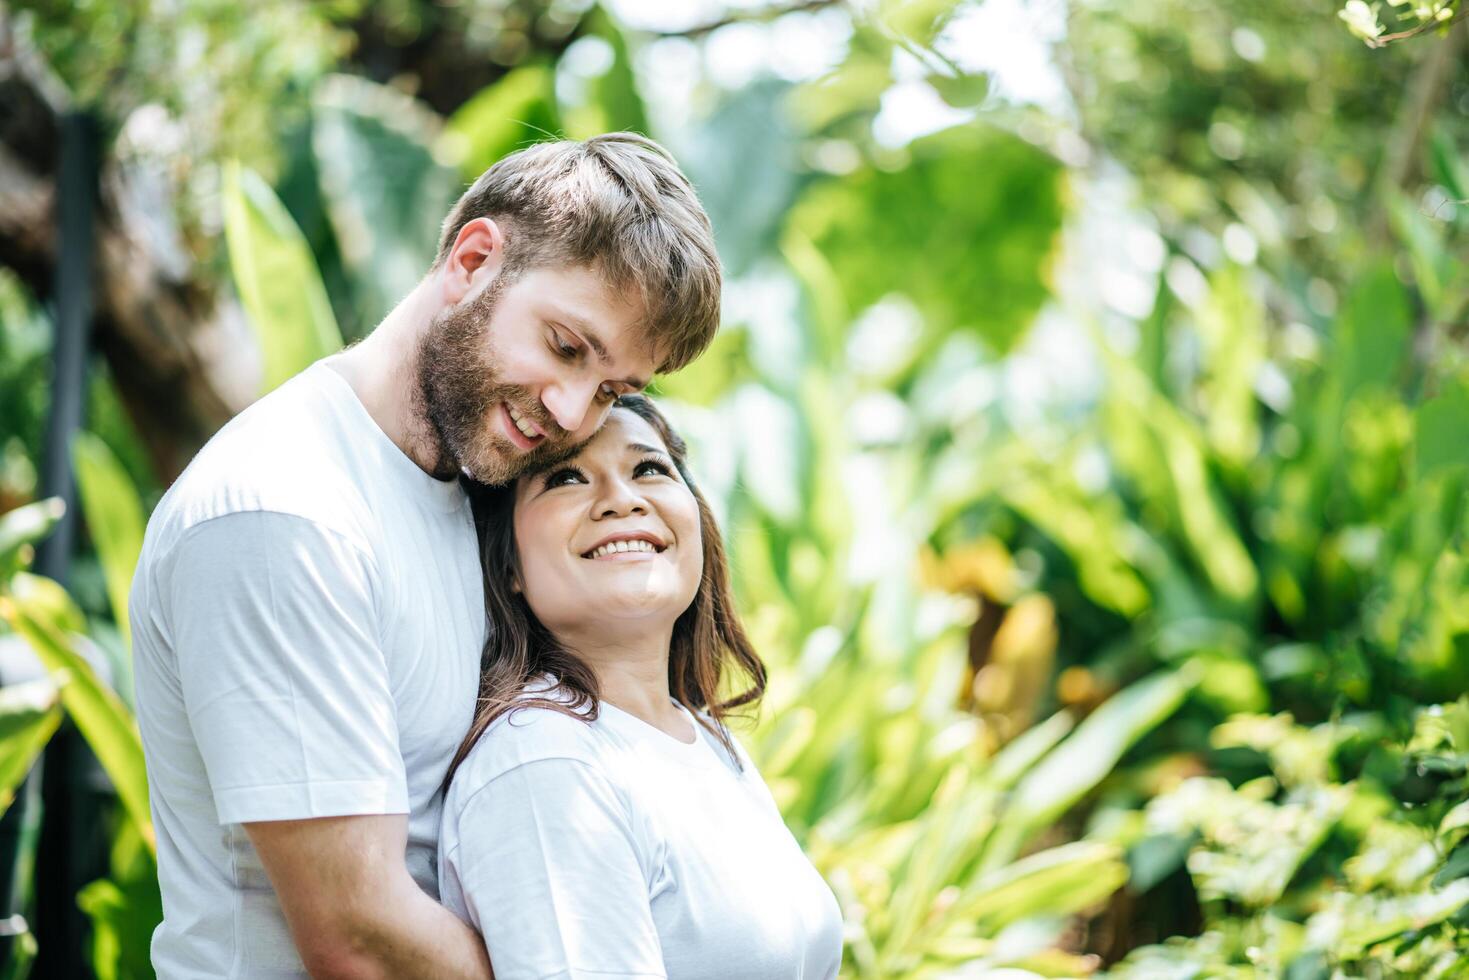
{"x": 607, "y": 393}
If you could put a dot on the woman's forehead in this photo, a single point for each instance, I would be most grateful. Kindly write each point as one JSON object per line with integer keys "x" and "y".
{"x": 624, "y": 428}
{"x": 624, "y": 433}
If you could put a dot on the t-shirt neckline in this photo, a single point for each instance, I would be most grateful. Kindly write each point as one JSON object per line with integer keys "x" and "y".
{"x": 699, "y": 752}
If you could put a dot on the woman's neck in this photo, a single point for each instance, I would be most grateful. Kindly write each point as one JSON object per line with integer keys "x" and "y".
{"x": 633, "y": 676}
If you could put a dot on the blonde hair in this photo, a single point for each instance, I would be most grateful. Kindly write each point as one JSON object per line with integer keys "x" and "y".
{"x": 617, "y": 203}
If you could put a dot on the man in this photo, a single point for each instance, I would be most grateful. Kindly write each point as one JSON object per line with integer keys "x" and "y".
{"x": 308, "y": 611}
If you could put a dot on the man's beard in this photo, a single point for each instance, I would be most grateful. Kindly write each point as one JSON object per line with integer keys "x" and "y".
{"x": 460, "y": 392}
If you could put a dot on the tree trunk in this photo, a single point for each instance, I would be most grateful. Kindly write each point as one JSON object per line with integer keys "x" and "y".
{"x": 172, "y": 338}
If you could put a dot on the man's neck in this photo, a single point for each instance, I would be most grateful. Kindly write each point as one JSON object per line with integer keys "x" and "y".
{"x": 383, "y": 371}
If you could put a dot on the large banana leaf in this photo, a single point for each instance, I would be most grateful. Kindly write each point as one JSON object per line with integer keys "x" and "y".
{"x": 972, "y": 254}
{"x": 114, "y": 520}
{"x": 743, "y": 161}
{"x": 276, "y": 278}
{"x": 385, "y": 188}
{"x": 100, "y": 715}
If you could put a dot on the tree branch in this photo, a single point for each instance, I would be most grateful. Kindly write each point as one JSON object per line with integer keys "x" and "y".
{"x": 749, "y": 16}
{"x": 1424, "y": 28}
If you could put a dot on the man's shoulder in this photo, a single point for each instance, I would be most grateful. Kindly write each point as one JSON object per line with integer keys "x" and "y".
{"x": 289, "y": 453}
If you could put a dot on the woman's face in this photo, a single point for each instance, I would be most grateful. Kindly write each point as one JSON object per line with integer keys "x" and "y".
{"x": 609, "y": 536}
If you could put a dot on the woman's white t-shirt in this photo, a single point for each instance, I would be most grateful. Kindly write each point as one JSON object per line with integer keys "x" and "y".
{"x": 611, "y": 849}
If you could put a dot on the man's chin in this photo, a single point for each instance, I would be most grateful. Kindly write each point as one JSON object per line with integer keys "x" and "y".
{"x": 499, "y": 464}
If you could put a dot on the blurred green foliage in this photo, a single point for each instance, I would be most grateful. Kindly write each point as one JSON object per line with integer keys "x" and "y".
{"x": 1304, "y": 872}
{"x": 1100, "y": 619}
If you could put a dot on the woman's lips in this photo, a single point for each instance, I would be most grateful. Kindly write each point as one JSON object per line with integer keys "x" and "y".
{"x": 627, "y": 556}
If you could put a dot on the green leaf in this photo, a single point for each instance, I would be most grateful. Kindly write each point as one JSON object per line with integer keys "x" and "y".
{"x": 1156, "y": 857}
{"x": 1078, "y": 764}
{"x": 46, "y": 598}
{"x": 114, "y": 519}
{"x": 276, "y": 278}
{"x": 1093, "y": 533}
{"x": 1457, "y": 866}
{"x": 1433, "y": 263}
{"x": 24, "y": 526}
{"x": 1371, "y": 333}
{"x": 1442, "y": 431}
{"x": 1058, "y": 881}
{"x": 1232, "y": 325}
{"x": 98, "y": 713}
{"x": 511, "y": 114}
{"x": 28, "y": 718}
{"x": 609, "y": 101}
{"x": 1162, "y": 453}
{"x": 1455, "y": 819}
{"x": 385, "y": 187}
{"x": 961, "y": 91}
{"x": 1449, "y": 168}
{"x": 125, "y": 909}
{"x": 1026, "y": 749}
{"x": 978, "y": 261}
{"x": 743, "y": 161}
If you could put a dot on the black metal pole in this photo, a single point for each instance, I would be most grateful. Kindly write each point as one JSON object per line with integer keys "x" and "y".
{"x": 72, "y": 849}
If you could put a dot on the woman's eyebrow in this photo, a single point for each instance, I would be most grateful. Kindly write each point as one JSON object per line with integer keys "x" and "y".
{"x": 639, "y": 447}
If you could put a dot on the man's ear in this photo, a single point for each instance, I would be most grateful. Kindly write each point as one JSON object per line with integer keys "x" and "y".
{"x": 475, "y": 259}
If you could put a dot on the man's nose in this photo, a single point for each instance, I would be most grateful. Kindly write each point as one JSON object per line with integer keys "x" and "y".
{"x": 570, "y": 404}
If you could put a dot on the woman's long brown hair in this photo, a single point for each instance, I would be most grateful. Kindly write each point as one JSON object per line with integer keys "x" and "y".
{"x": 709, "y": 644}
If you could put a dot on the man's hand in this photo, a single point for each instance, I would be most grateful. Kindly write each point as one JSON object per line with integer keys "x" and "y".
{"x": 354, "y": 911}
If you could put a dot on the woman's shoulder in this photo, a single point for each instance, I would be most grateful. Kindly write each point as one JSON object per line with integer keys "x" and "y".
{"x": 529, "y": 732}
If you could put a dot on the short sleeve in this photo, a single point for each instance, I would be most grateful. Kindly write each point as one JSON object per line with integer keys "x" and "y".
{"x": 273, "y": 622}
{"x": 550, "y": 868}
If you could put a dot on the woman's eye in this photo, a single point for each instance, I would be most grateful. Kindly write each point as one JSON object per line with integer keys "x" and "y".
{"x": 650, "y": 466}
{"x": 562, "y": 478}
{"x": 606, "y": 393}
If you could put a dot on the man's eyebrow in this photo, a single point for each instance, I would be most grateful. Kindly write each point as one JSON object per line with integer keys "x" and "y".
{"x": 589, "y": 332}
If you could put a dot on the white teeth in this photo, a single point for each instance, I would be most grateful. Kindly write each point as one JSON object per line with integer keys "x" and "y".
{"x": 617, "y": 547}
{"x": 521, "y": 423}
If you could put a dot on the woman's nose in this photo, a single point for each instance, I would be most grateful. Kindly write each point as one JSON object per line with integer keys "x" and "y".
{"x": 619, "y": 499}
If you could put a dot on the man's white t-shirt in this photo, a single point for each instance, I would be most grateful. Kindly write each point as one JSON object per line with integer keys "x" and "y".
{"x": 586, "y": 850}
{"x": 307, "y": 617}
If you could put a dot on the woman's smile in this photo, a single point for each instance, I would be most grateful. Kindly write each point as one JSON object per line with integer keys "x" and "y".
{"x": 631, "y": 546}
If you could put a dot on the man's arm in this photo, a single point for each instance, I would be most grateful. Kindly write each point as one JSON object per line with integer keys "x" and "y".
{"x": 354, "y": 911}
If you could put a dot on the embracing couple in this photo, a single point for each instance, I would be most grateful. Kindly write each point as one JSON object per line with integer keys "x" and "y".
{"x": 435, "y": 644}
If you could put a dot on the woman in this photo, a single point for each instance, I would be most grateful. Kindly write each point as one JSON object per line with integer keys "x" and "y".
{"x": 599, "y": 820}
